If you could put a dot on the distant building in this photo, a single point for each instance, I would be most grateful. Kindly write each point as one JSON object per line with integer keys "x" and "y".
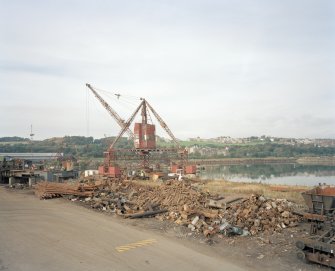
{"x": 32, "y": 156}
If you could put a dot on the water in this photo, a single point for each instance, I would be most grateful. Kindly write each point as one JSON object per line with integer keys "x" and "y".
{"x": 288, "y": 174}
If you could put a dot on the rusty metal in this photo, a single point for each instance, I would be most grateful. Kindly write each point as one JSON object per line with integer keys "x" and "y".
{"x": 320, "y": 200}
{"x": 111, "y": 111}
{"x": 317, "y": 222}
{"x": 320, "y": 258}
{"x": 321, "y": 206}
{"x": 126, "y": 127}
{"x": 314, "y": 217}
{"x": 163, "y": 124}
{"x": 190, "y": 169}
{"x": 144, "y": 136}
{"x": 318, "y": 249}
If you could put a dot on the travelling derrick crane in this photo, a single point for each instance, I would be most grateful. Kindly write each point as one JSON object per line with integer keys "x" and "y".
{"x": 144, "y": 137}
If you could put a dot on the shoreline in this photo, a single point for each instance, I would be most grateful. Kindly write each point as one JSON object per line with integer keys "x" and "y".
{"x": 227, "y": 188}
{"x": 326, "y": 160}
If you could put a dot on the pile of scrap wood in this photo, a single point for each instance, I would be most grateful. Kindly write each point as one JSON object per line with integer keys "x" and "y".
{"x": 201, "y": 212}
{"x": 172, "y": 195}
{"x": 176, "y": 201}
{"x": 45, "y": 190}
{"x": 181, "y": 203}
{"x": 128, "y": 197}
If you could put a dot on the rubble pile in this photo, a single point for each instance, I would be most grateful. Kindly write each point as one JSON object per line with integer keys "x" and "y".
{"x": 180, "y": 203}
{"x": 132, "y": 196}
{"x": 46, "y": 190}
{"x": 172, "y": 195}
{"x": 259, "y": 214}
{"x": 173, "y": 200}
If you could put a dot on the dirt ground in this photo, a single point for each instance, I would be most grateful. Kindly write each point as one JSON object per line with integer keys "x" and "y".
{"x": 39, "y": 235}
{"x": 275, "y": 252}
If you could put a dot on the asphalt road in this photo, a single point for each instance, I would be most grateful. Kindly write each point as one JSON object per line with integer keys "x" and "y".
{"x": 55, "y": 235}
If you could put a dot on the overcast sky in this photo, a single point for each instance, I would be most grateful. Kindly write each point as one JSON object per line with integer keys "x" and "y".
{"x": 210, "y": 68}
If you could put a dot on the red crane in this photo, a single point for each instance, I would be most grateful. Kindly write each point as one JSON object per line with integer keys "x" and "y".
{"x": 144, "y": 137}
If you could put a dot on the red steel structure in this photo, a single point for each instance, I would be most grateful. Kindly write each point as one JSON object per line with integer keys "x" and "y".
{"x": 144, "y": 137}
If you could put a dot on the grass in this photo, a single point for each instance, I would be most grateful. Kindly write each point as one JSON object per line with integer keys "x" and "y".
{"x": 227, "y": 188}
{"x": 292, "y": 193}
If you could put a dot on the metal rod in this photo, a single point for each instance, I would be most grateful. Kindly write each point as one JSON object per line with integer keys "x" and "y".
{"x": 163, "y": 124}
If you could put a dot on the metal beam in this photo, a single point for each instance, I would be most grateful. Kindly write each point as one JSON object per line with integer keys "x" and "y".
{"x": 126, "y": 127}
{"x": 111, "y": 111}
{"x": 163, "y": 124}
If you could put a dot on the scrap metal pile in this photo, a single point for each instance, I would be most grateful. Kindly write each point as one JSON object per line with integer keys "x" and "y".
{"x": 181, "y": 203}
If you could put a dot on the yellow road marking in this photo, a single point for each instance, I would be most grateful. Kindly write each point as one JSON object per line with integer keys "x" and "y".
{"x": 135, "y": 245}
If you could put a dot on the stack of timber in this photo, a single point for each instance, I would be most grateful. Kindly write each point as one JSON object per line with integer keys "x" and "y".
{"x": 47, "y": 190}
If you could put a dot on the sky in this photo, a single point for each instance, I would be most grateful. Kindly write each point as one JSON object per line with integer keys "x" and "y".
{"x": 210, "y": 68}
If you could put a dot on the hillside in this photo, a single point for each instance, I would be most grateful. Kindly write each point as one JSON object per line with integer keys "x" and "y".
{"x": 81, "y": 146}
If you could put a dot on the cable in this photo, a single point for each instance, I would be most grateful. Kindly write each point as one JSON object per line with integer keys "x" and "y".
{"x": 117, "y": 94}
{"x": 119, "y": 102}
{"x": 148, "y": 113}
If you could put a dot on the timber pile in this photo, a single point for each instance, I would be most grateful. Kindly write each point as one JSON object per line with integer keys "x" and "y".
{"x": 47, "y": 190}
{"x": 259, "y": 214}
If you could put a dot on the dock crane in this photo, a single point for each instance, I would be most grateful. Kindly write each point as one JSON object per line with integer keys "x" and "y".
{"x": 144, "y": 137}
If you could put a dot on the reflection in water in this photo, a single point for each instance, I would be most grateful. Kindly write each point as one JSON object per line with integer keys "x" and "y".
{"x": 294, "y": 174}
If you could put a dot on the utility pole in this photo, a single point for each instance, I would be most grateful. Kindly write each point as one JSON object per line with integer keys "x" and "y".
{"x": 31, "y": 138}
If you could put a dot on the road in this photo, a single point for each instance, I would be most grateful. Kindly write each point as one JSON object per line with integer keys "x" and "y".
{"x": 56, "y": 235}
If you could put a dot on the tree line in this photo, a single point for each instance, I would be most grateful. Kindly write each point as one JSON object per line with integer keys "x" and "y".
{"x": 81, "y": 146}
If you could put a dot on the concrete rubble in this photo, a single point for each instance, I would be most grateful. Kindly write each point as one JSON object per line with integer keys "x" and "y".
{"x": 180, "y": 203}
{"x": 259, "y": 214}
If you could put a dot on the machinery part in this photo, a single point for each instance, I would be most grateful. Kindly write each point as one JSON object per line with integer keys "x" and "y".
{"x": 320, "y": 200}
{"x": 320, "y": 250}
{"x": 111, "y": 111}
{"x": 320, "y": 258}
{"x": 145, "y": 153}
{"x": 314, "y": 217}
{"x": 163, "y": 124}
{"x": 300, "y": 244}
{"x": 126, "y": 127}
{"x": 301, "y": 256}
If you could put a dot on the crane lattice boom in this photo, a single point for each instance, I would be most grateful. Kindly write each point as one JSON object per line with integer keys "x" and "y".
{"x": 111, "y": 111}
